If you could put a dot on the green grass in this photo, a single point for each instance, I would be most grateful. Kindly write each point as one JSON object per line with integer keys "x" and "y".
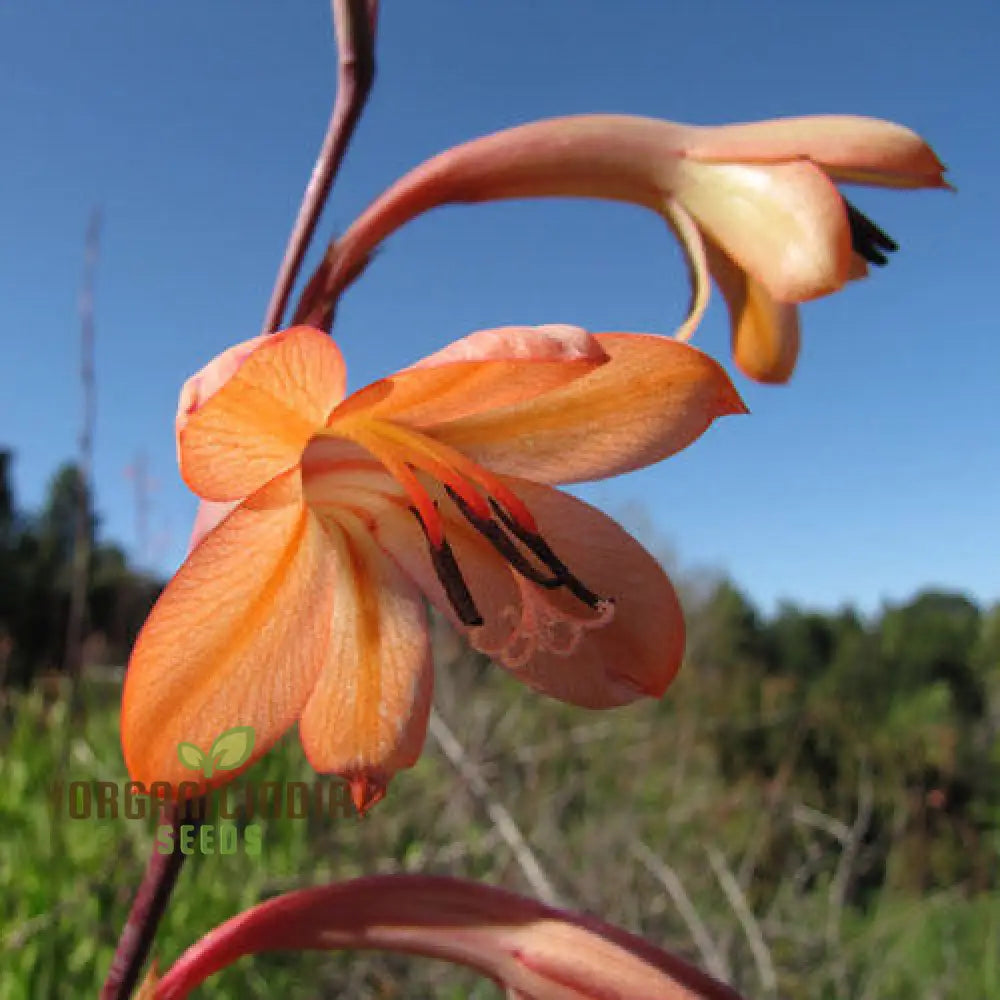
{"x": 66, "y": 883}
{"x": 580, "y": 787}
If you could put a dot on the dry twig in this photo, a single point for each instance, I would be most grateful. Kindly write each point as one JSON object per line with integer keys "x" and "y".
{"x": 497, "y": 812}
{"x": 715, "y": 961}
{"x": 808, "y": 816}
{"x": 77, "y": 618}
{"x": 841, "y": 881}
{"x": 744, "y": 914}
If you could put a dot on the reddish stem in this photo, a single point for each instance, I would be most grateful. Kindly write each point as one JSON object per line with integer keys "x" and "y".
{"x": 354, "y": 24}
{"x": 158, "y": 881}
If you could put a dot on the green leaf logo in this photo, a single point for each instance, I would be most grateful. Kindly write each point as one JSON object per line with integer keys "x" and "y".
{"x": 191, "y": 756}
{"x": 230, "y": 749}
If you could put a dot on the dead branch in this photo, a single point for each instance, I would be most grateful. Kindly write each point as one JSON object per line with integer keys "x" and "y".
{"x": 713, "y": 959}
{"x": 77, "y": 618}
{"x": 741, "y": 908}
{"x": 807, "y": 816}
{"x": 844, "y": 872}
{"x": 497, "y": 812}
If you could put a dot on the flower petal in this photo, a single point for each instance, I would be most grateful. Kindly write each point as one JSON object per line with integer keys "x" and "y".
{"x": 488, "y": 369}
{"x": 859, "y": 268}
{"x": 535, "y": 951}
{"x": 765, "y": 333}
{"x": 616, "y": 157}
{"x": 785, "y": 223}
{"x": 636, "y": 653}
{"x": 639, "y": 651}
{"x": 850, "y": 147}
{"x": 549, "y": 342}
{"x": 258, "y": 423}
{"x": 208, "y": 515}
{"x": 199, "y": 387}
{"x": 643, "y": 161}
{"x": 654, "y": 397}
{"x": 237, "y": 638}
{"x": 367, "y": 715}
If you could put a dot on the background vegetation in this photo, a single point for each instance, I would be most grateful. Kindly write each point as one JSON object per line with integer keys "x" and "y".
{"x": 812, "y": 812}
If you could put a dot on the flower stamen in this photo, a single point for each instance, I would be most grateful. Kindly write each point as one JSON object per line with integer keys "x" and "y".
{"x": 539, "y": 547}
{"x": 867, "y": 239}
{"x": 494, "y": 534}
{"x": 447, "y": 570}
{"x": 533, "y": 541}
{"x": 404, "y": 452}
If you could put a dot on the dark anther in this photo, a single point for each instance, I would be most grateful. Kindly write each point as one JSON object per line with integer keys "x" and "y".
{"x": 867, "y": 239}
{"x": 494, "y": 534}
{"x": 451, "y": 578}
{"x": 541, "y": 549}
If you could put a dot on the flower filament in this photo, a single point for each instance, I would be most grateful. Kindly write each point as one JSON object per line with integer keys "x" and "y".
{"x": 495, "y": 512}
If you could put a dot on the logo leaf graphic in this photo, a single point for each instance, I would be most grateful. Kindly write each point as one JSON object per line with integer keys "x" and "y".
{"x": 231, "y": 748}
{"x": 191, "y": 756}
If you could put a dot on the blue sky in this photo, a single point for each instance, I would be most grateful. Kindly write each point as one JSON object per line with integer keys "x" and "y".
{"x": 195, "y": 127}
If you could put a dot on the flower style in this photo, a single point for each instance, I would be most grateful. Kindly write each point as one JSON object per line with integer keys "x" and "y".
{"x": 754, "y": 205}
{"x": 329, "y": 519}
{"x": 535, "y": 951}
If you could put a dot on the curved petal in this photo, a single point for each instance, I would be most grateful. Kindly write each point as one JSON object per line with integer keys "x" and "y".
{"x": 615, "y": 157}
{"x": 488, "y": 369}
{"x": 785, "y": 224}
{"x": 236, "y": 639}
{"x": 765, "y": 333}
{"x": 205, "y": 383}
{"x": 859, "y": 268}
{"x": 258, "y": 423}
{"x": 548, "y": 342}
{"x": 208, "y": 515}
{"x": 550, "y": 639}
{"x": 367, "y": 715}
{"x": 535, "y": 951}
{"x": 640, "y": 650}
{"x": 850, "y": 147}
{"x": 622, "y": 158}
{"x": 654, "y": 397}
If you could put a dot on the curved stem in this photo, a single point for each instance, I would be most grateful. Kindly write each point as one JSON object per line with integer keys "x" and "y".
{"x": 150, "y": 902}
{"x": 354, "y": 21}
{"x": 354, "y": 25}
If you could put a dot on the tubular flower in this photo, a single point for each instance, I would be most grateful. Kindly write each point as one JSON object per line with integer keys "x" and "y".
{"x": 329, "y": 519}
{"x": 754, "y": 205}
{"x": 534, "y": 951}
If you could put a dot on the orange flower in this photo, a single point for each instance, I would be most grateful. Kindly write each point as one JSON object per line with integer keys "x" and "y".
{"x": 753, "y": 205}
{"x": 337, "y": 516}
{"x": 535, "y": 951}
